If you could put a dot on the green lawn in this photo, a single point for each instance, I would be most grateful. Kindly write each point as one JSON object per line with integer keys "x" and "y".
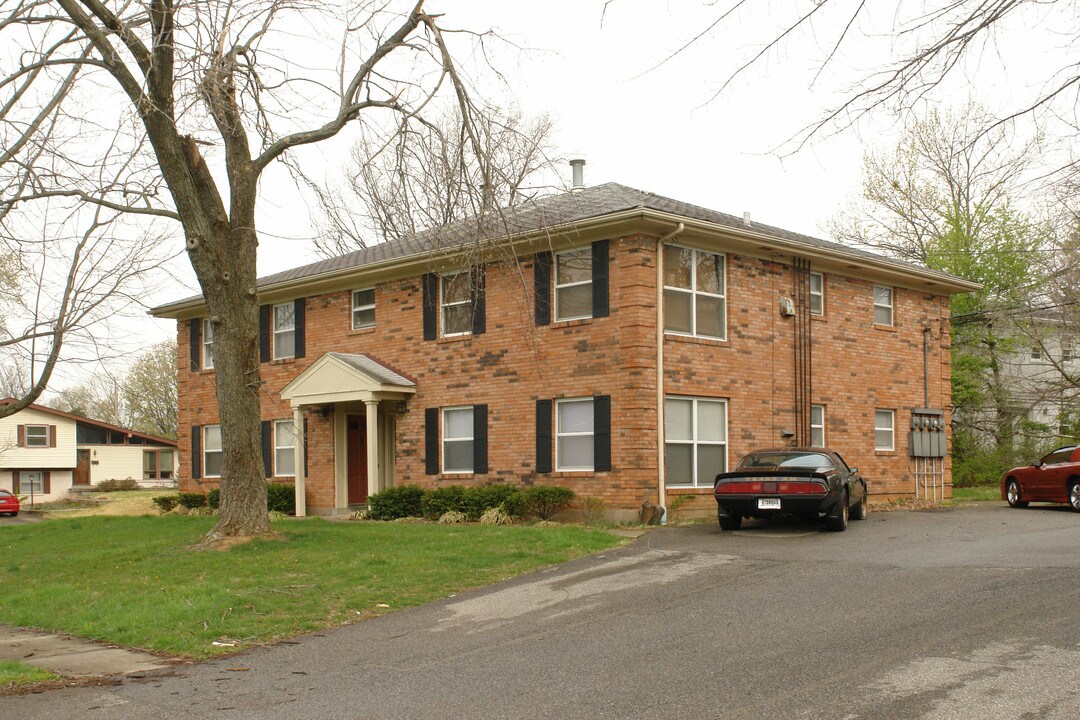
{"x": 983, "y": 492}
{"x": 15, "y": 673}
{"x": 132, "y": 580}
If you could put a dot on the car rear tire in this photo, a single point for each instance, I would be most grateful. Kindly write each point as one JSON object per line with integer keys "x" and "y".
{"x": 730, "y": 522}
{"x": 839, "y": 523}
{"x": 1012, "y": 495}
{"x": 860, "y": 511}
{"x": 1074, "y": 495}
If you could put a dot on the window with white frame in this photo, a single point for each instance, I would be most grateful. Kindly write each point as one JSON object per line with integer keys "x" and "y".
{"x": 32, "y": 482}
{"x": 207, "y": 344}
{"x": 574, "y": 431}
{"x": 817, "y": 425}
{"x": 37, "y": 436}
{"x": 883, "y": 305}
{"x": 284, "y": 331}
{"x": 695, "y": 440}
{"x": 573, "y": 285}
{"x": 284, "y": 448}
{"x": 1036, "y": 352}
{"x": 694, "y": 293}
{"x": 817, "y": 294}
{"x": 212, "y": 453}
{"x": 457, "y": 439}
{"x": 363, "y": 308}
{"x": 884, "y": 430}
{"x": 455, "y": 303}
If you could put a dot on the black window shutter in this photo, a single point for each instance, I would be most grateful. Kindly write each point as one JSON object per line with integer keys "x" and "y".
{"x": 602, "y": 433}
{"x": 542, "y": 288}
{"x": 268, "y": 447}
{"x": 298, "y": 315}
{"x": 305, "y": 447}
{"x": 480, "y": 439}
{"x": 264, "y": 333}
{"x": 195, "y": 338}
{"x": 431, "y": 441}
{"x": 196, "y": 452}
{"x": 431, "y": 295}
{"x": 600, "y": 278}
{"x": 543, "y": 436}
{"x": 479, "y": 317}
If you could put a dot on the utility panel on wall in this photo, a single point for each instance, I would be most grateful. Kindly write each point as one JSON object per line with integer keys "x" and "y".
{"x": 927, "y": 436}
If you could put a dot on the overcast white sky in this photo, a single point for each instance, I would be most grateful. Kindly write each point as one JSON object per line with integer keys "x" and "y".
{"x": 657, "y": 129}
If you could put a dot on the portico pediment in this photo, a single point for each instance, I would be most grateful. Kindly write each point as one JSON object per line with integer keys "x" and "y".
{"x": 343, "y": 377}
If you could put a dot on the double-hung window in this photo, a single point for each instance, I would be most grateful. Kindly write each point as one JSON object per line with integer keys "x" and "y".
{"x": 694, "y": 293}
{"x": 573, "y": 285}
{"x": 212, "y": 451}
{"x": 37, "y": 436}
{"x": 883, "y": 305}
{"x": 32, "y": 481}
{"x": 817, "y": 294}
{"x": 884, "y": 430}
{"x": 284, "y": 448}
{"x": 695, "y": 432}
{"x": 363, "y": 308}
{"x": 817, "y": 425}
{"x": 284, "y": 331}
{"x": 207, "y": 344}
{"x": 455, "y": 303}
{"x": 574, "y": 434}
{"x": 457, "y": 440}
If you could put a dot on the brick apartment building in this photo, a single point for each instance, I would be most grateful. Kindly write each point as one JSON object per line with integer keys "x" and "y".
{"x": 567, "y": 348}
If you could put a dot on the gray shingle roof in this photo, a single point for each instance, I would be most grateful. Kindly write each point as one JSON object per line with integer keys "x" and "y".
{"x": 565, "y": 209}
{"x": 374, "y": 368}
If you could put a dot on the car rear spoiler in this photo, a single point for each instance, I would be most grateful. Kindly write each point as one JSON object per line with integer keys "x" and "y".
{"x": 758, "y": 473}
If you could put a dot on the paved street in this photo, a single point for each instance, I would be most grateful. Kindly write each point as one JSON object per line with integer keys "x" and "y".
{"x": 956, "y": 614}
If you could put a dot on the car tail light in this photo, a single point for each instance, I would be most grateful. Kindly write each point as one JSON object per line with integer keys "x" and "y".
{"x": 802, "y": 488}
{"x": 738, "y": 488}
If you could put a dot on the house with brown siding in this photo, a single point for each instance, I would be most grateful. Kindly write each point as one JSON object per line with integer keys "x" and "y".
{"x": 613, "y": 341}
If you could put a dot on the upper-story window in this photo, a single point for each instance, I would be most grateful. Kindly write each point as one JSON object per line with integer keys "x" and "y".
{"x": 363, "y": 308}
{"x": 455, "y": 304}
{"x": 573, "y": 285}
{"x": 207, "y": 344}
{"x": 817, "y": 294}
{"x": 883, "y": 305}
{"x": 1068, "y": 353}
{"x": 1036, "y": 352}
{"x": 694, "y": 293}
{"x": 284, "y": 331}
{"x": 37, "y": 436}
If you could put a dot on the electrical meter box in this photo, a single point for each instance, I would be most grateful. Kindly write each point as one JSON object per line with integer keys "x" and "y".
{"x": 927, "y": 436}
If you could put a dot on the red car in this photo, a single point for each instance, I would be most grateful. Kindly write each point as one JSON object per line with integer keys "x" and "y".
{"x": 1054, "y": 478}
{"x": 9, "y": 504}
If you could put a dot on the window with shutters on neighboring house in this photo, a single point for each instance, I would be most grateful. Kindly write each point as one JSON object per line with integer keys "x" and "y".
{"x": 37, "y": 436}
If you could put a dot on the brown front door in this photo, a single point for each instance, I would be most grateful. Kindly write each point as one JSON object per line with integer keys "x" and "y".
{"x": 82, "y": 468}
{"x": 356, "y": 442}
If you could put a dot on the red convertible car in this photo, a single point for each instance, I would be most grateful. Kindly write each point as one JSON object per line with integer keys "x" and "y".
{"x": 1054, "y": 478}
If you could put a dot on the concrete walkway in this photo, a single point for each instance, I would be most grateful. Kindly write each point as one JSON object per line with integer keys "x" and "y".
{"x": 73, "y": 657}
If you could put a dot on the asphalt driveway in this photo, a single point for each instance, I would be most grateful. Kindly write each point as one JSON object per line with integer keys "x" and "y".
{"x": 962, "y": 613}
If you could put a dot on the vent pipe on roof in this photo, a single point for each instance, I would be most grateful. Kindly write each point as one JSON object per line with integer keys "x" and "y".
{"x": 746, "y": 219}
{"x": 578, "y": 167}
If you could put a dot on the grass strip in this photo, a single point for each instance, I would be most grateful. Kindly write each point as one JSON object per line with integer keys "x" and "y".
{"x": 14, "y": 674}
{"x": 134, "y": 582}
{"x": 983, "y": 492}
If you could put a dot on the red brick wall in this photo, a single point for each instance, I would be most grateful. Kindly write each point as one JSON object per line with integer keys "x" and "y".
{"x": 857, "y": 367}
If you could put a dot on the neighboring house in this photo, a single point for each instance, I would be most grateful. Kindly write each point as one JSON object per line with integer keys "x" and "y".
{"x": 45, "y": 452}
{"x": 625, "y": 345}
{"x": 1043, "y": 377}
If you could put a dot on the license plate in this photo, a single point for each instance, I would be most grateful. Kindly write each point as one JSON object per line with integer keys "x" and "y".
{"x": 768, "y": 503}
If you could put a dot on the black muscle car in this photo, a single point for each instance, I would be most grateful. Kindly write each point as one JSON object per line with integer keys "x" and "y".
{"x": 809, "y": 482}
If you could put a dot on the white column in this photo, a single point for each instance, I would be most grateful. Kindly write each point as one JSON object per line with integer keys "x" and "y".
{"x": 372, "y": 409}
{"x": 298, "y": 461}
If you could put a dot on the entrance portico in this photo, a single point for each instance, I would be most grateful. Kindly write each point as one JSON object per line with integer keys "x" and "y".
{"x": 363, "y": 396}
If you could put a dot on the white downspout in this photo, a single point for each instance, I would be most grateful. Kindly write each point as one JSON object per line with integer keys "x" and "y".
{"x": 661, "y": 485}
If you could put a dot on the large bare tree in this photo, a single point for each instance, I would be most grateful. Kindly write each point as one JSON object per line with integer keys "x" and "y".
{"x": 207, "y": 96}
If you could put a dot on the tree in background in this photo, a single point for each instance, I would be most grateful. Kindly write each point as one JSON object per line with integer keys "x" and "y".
{"x": 940, "y": 200}
{"x": 143, "y": 399}
{"x": 199, "y": 101}
{"x": 426, "y": 177}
